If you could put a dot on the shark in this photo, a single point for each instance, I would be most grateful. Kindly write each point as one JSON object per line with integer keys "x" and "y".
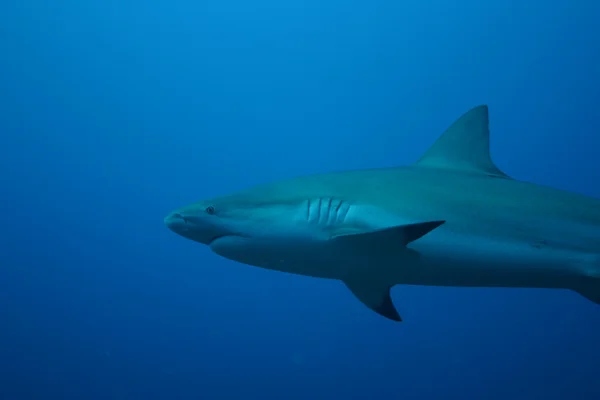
{"x": 450, "y": 219}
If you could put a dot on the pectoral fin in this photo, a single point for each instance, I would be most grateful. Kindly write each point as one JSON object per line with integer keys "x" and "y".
{"x": 399, "y": 235}
{"x": 376, "y": 297}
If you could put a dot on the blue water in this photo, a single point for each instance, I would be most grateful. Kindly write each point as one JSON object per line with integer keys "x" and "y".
{"x": 112, "y": 113}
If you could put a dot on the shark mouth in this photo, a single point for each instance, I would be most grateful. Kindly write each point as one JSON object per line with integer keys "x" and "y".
{"x": 214, "y": 239}
{"x": 217, "y": 238}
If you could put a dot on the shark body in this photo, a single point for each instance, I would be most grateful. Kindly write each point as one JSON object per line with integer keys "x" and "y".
{"x": 453, "y": 218}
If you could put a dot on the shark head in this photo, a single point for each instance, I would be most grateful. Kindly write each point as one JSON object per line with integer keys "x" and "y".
{"x": 235, "y": 216}
{"x": 199, "y": 223}
{"x": 256, "y": 226}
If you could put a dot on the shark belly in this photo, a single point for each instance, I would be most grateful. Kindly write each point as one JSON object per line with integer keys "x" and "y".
{"x": 452, "y": 259}
{"x": 329, "y": 259}
{"x": 315, "y": 258}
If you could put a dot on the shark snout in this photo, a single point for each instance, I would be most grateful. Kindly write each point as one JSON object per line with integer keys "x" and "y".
{"x": 193, "y": 225}
{"x": 176, "y": 222}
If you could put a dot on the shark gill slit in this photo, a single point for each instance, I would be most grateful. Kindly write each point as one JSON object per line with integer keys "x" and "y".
{"x": 321, "y": 211}
{"x": 337, "y": 214}
{"x": 342, "y": 212}
{"x": 327, "y": 211}
{"x": 319, "y": 208}
{"x": 337, "y": 211}
{"x": 312, "y": 215}
{"x": 334, "y": 214}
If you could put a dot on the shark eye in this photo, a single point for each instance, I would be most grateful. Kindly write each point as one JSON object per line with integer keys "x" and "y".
{"x": 210, "y": 210}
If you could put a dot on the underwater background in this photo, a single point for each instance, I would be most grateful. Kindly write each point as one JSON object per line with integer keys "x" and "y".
{"x": 113, "y": 113}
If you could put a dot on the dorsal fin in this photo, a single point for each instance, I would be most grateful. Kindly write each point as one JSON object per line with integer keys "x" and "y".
{"x": 465, "y": 146}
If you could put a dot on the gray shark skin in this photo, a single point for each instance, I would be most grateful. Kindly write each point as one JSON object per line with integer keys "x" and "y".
{"x": 450, "y": 219}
